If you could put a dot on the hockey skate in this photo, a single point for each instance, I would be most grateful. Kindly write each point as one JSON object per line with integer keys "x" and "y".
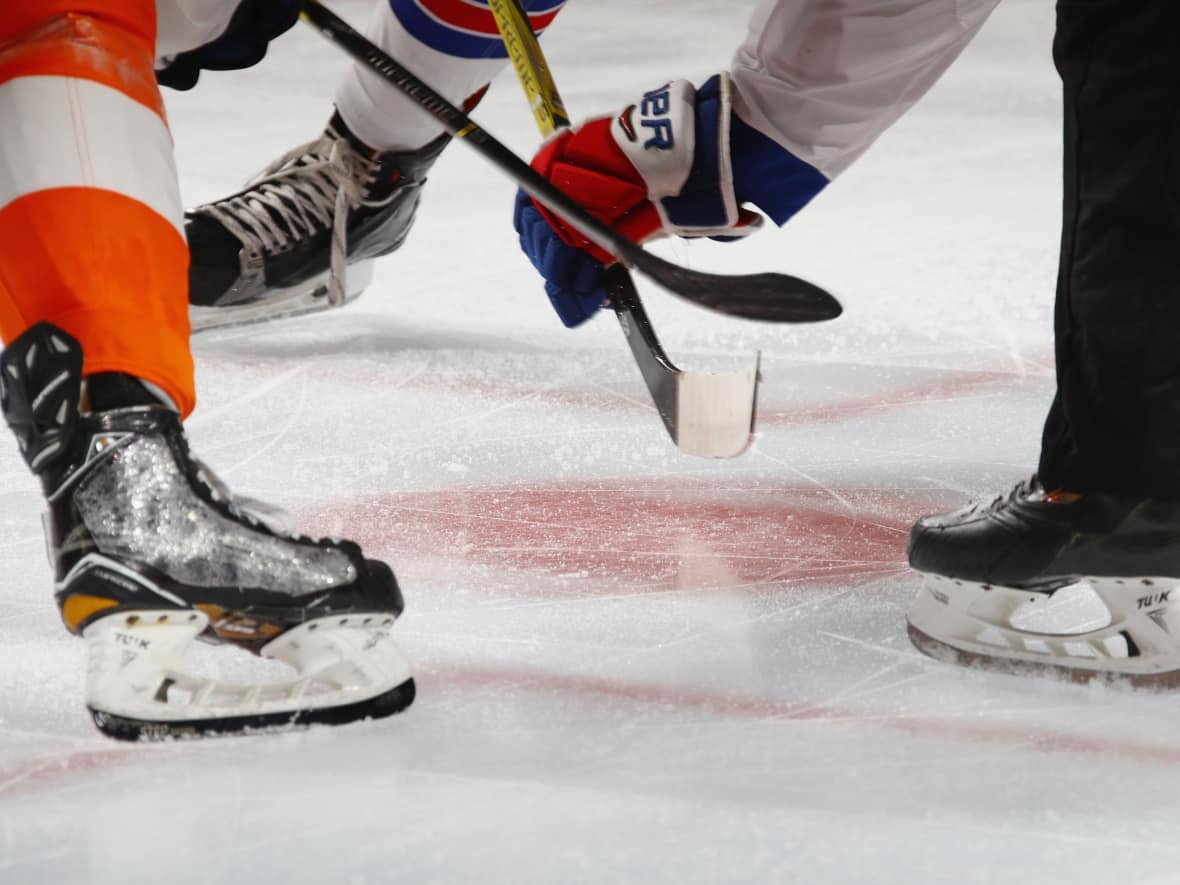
{"x": 993, "y": 575}
{"x": 303, "y": 234}
{"x": 150, "y": 552}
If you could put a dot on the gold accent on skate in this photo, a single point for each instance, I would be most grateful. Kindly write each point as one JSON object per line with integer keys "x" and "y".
{"x": 81, "y": 607}
{"x": 238, "y": 628}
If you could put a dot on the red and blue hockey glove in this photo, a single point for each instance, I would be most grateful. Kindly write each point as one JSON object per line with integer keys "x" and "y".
{"x": 662, "y": 166}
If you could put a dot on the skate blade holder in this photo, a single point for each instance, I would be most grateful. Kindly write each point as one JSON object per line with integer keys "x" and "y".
{"x": 310, "y": 296}
{"x": 137, "y": 686}
{"x": 1124, "y": 630}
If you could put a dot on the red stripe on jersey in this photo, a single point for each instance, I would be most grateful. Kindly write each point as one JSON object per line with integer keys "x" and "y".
{"x": 479, "y": 19}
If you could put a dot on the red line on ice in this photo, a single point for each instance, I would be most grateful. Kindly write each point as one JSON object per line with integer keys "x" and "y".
{"x": 943, "y": 388}
{"x": 49, "y": 767}
{"x": 682, "y": 534}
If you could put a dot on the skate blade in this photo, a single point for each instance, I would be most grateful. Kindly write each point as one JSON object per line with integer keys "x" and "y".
{"x": 311, "y": 296}
{"x": 981, "y": 626}
{"x": 347, "y": 668}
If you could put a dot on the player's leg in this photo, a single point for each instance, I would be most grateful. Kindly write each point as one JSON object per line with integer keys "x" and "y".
{"x": 148, "y": 548}
{"x": 90, "y": 224}
{"x": 351, "y": 194}
{"x": 1106, "y": 506}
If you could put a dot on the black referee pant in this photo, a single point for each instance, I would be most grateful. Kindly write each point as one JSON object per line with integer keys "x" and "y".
{"x": 1114, "y": 425}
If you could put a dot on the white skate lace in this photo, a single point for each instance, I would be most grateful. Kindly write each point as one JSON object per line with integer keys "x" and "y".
{"x": 309, "y": 189}
{"x": 251, "y": 510}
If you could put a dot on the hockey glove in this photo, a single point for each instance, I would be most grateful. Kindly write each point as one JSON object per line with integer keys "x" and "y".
{"x": 662, "y": 166}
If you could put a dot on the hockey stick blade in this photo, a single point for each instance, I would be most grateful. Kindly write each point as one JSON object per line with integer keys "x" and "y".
{"x": 708, "y": 414}
{"x": 771, "y": 297}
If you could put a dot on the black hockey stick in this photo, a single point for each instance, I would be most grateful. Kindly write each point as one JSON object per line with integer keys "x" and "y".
{"x": 707, "y": 414}
{"x": 771, "y": 297}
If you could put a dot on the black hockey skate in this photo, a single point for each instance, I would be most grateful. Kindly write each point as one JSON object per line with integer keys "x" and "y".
{"x": 281, "y": 246}
{"x": 990, "y": 571}
{"x": 149, "y": 552}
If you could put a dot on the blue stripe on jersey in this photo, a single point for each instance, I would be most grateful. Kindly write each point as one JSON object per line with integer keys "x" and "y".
{"x": 768, "y": 175}
{"x": 452, "y": 39}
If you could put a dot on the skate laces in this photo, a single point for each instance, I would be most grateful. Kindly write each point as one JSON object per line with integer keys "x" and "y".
{"x": 1033, "y": 490}
{"x": 309, "y": 189}
{"x": 1023, "y": 489}
{"x": 1028, "y": 488}
{"x": 252, "y": 511}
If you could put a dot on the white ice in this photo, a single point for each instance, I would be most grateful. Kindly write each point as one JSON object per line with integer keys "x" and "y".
{"x": 633, "y": 666}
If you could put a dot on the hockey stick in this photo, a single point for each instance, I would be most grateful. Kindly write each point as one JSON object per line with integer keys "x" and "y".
{"x": 707, "y": 414}
{"x": 771, "y": 297}
{"x": 531, "y": 67}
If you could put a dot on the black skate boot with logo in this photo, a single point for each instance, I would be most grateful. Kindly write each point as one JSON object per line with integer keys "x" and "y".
{"x": 1079, "y": 585}
{"x": 303, "y": 234}
{"x": 150, "y": 552}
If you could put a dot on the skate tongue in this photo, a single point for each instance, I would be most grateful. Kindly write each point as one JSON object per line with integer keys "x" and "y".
{"x": 338, "y": 129}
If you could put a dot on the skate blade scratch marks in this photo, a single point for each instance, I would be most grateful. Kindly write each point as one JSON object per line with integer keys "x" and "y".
{"x": 948, "y": 386}
{"x": 445, "y": 380}
{"x": 619, "y": 395}
{"x": 239, "y": 403}
{"x": 661, "y": 535}
{"x": 679, "y": 699}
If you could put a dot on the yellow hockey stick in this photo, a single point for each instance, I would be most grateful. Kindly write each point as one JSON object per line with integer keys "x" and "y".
{"x": 530, "y": 65}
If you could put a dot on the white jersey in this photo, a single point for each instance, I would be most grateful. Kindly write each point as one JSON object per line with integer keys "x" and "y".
{"x": 824, "y": 78}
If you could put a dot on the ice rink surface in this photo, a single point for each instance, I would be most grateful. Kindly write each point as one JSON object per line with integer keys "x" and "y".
{"x": 633, "y": 666}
